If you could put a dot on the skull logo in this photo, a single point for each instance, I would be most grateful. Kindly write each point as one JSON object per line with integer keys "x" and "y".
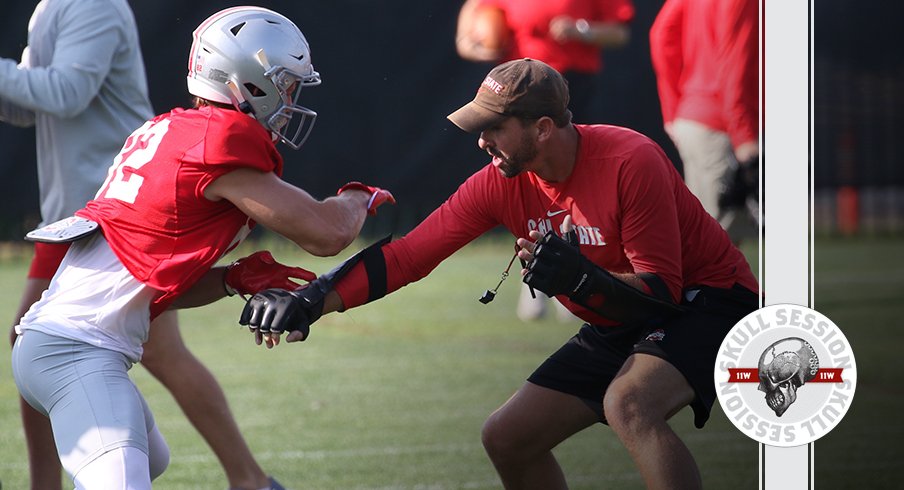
{"x": 784, "y": 367}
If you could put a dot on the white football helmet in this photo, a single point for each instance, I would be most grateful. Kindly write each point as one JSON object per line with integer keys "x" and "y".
{"x": 258, "y": 61}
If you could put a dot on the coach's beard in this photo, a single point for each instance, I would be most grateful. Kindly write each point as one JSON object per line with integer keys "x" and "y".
{"x": 505, "y": 166}
{"x": 514, "y": 165}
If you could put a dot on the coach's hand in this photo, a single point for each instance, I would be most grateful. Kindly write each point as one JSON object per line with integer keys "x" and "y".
{"x": 551, "y": 264}
{"x": 260, "y": 271}
{"x": 271, "y": 312}
{"x": 557, "y": 267}
{"x": 378, "y": 196}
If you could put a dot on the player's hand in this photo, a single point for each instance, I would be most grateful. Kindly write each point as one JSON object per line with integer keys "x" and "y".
{"x": 260, "y": 271}
{"x": 378, "y": 196}
{"x": 272, "y": 312}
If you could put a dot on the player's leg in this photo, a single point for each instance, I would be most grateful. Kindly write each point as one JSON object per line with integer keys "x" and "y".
{"x": 122, "y": 467}
{"x": 128, "y": 467}
{"x": 44, "y": 468}
{"x": 158, "y": 453}
{"x": 199, "y": 395}
{"x": 638, "y": 403}
{"x": 94, "y": 408}
{"x": 43, "y": 464}
{"x": 520, "y": 435}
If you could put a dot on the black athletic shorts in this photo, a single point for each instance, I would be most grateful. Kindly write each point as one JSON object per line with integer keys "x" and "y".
{"x": 588, "y": 362}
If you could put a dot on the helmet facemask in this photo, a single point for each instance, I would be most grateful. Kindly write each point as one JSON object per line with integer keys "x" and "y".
{"x": 292, "y": 123}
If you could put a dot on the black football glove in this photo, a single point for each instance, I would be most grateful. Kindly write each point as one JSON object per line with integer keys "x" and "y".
{"x": 743, "y": 182}
{"x": 276, "y": 311}
{"x": 557, "y": 265}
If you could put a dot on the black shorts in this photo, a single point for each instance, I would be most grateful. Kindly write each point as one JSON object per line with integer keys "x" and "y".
{"x": 588, "y": 362}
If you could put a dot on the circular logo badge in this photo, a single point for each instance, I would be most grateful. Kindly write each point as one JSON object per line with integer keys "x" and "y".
{"x": 785, "y": 375}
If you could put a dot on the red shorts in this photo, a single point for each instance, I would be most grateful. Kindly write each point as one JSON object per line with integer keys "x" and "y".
{"x": 47, "y": 259}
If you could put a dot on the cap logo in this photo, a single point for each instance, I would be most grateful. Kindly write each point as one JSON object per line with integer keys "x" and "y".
{"x": 493, "y": 85}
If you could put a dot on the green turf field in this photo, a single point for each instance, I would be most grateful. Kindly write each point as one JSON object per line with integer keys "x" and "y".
{"x": 393, "y": 395}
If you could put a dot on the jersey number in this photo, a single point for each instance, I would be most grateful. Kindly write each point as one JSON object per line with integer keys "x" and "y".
{"x": 122, "y": 183}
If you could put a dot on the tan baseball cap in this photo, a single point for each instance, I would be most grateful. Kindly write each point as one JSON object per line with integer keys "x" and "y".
{"x": 523, "y": 88}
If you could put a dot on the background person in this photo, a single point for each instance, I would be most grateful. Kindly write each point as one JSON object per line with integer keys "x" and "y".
{"x": 706, "y": 57}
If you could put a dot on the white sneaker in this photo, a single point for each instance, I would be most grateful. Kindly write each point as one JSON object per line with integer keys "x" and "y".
{"x": 529, "y": 308}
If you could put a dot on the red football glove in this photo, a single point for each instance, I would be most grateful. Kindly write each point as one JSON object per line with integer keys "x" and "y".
{"x": 260, "y": 271}
{"x": 377, "y": 196}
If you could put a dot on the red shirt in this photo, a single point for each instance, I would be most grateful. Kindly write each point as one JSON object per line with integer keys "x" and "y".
{"x": 705, "y": 55}
{"x": 632, "y": 211}
{"x": 529, "y": 23}
{"x": 152, "y": 209}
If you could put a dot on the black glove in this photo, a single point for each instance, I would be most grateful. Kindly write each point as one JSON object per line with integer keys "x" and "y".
{"x": 743, "y": 182}
{"x": 557, "y": 266}
{"x": 278, "y": 310}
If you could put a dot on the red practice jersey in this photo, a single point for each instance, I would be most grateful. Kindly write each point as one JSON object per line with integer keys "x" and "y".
{"x": 631, "y": 209}
{"x": 152, "y": 209}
